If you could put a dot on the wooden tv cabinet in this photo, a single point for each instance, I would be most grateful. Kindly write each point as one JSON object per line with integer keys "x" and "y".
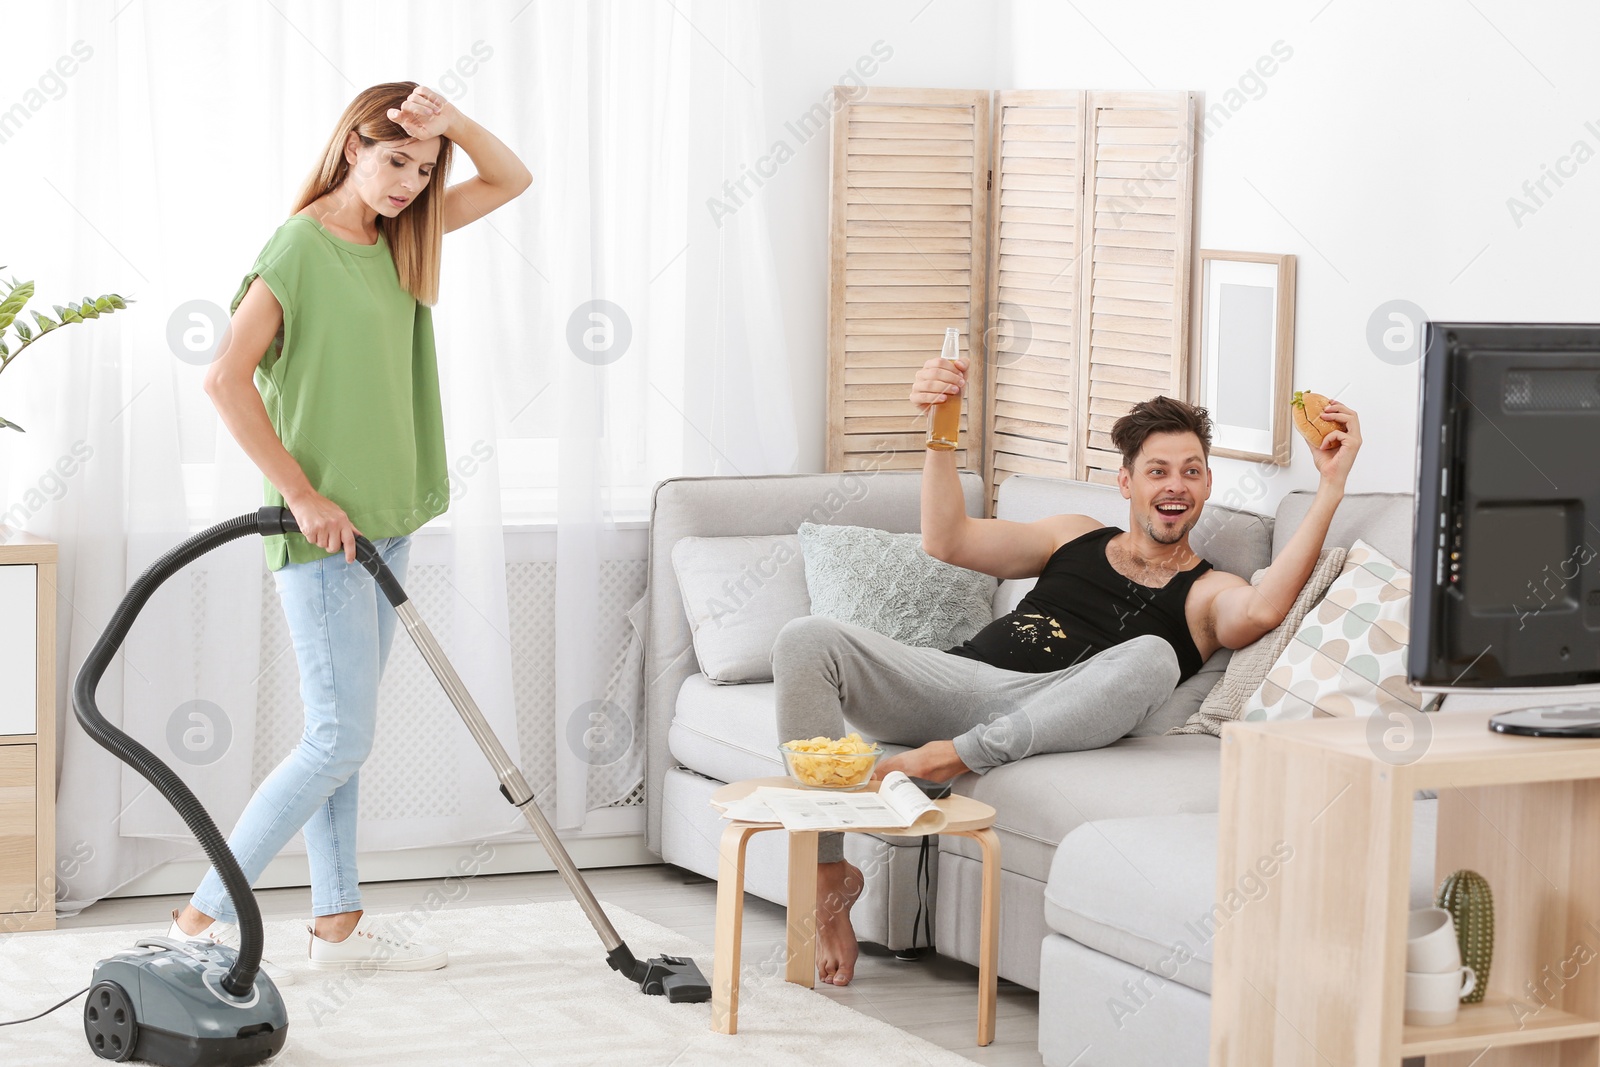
{"x": 1312, "y": 970}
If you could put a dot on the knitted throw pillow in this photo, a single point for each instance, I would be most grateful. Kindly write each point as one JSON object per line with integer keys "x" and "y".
{"x": 885, "y": 582}
{"x": 1248, "y": 667}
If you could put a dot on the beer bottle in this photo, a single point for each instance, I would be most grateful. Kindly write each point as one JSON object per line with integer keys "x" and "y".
{"x": 944, "y": 420}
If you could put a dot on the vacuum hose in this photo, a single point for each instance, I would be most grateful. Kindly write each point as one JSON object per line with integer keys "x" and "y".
{"x": 266, "y": 522}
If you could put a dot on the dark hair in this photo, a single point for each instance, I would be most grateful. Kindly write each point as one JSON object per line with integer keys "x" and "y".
{"x": 1162, "y": 414}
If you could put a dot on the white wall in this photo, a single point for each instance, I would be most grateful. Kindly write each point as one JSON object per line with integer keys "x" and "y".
{"x": 808, "y": 48}
{"x": 1382, "y": 153}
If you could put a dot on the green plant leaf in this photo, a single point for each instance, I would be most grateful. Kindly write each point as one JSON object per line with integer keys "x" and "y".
{"x": 67, "y": 314}
{"x": 46, "y": 323}
{"x": 86, "y": 309}
{"x": 102, "y": 303}
{"x": 4, "y": 424}
{"x": 14, "y": 302}
{"x": 23, "y": 331}
{"x": 118, "y": 302}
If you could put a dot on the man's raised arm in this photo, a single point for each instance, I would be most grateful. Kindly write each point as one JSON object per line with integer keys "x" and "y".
{"x": 1243, "y": 613}
{"x": 994, "y": 546}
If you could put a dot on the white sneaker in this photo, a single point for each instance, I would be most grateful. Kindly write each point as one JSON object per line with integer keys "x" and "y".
{"x": 221, "y": 933}
{"x": 375, "y": 945}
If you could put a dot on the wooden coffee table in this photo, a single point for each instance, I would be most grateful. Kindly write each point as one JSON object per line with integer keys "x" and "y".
{"x": 967, "y": 818}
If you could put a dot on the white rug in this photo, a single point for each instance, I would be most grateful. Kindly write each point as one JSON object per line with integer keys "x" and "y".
{"x": 526, "y": 984}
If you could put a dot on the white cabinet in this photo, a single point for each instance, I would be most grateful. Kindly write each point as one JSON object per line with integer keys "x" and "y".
{"x": 19, "y": 647}
{"x": 27, "y": 732}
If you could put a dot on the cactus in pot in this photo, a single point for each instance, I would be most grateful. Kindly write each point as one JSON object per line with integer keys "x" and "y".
{"x": 12, "y": 300}
{"x": 1465, "y": 895}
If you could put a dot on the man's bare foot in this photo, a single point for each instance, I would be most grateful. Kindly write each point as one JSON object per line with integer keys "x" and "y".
{"x": 935, "y": 761}
{"x": 838, "y": 886}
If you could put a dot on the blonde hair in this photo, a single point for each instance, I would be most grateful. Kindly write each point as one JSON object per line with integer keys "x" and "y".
{"x": 416, "y": 234}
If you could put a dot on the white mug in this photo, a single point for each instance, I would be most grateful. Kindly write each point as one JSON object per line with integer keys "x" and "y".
{"x": 1431, "y": 942}
{"x": 1434, "y": 999}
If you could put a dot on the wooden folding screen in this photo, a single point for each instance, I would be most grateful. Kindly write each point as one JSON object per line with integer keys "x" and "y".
{"x": 909, "y": 229}
{"x": 1075, "y": 281}
{"x": 1135, "y": 285}
{"x": 1033, "y": 290}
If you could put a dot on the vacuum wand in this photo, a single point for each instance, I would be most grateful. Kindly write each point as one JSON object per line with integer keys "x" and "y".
{"x": 678, "y": 978}
{"x": 512, "y": 784}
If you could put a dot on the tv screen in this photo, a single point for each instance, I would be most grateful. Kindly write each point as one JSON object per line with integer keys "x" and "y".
{"x": 1506, "y": 558}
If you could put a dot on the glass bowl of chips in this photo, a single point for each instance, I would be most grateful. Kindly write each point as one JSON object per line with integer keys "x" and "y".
{"x": 828, "y": 763}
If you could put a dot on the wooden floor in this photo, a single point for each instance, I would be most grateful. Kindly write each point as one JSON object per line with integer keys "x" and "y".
{"x": 935, "y": 998}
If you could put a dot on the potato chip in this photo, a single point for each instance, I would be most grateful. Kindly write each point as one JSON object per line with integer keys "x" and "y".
{"x": 831, "y": 763}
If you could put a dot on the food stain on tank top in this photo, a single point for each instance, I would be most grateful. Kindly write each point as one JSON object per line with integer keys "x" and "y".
{"x": 1034, "y": 632}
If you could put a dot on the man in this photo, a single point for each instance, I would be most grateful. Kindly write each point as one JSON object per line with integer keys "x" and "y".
{"x": 1117, "y": 619}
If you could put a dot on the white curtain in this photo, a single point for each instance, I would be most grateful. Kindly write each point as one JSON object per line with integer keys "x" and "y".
{"x": 576, "y": 369}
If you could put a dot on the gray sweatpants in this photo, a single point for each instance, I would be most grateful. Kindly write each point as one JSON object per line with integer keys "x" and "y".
{"x": 832, "y": 676}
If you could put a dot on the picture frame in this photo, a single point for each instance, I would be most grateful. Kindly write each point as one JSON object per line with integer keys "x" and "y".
{"x": 1244, "y": 346}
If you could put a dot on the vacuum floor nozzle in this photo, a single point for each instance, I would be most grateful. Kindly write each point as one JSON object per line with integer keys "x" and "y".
{"x": 677, "y": 978}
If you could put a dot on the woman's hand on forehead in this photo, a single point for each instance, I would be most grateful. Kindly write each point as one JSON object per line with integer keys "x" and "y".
{"x": 423, "y": 114}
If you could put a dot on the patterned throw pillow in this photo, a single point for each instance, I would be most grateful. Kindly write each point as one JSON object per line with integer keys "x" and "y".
{"x": 1348, "y": 657}
{"x": 1248, "y": 666}
{"x": 886, "y": 582}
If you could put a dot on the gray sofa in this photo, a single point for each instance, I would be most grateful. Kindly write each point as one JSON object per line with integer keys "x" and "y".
{"x": 1106, "y": 854}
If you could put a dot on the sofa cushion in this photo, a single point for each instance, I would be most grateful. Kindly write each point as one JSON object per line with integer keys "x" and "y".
{"x": 738, "y": 592}
{"x": 885, "y": 582}
{"x": 1041, "y": 799}
{"x": 729, "y": 732}
{"x": 1382, "y": 520}
{"x": 1150, "y": 906}
{"x": 1185, "y": 700}
{"x": 1144, "y": 890}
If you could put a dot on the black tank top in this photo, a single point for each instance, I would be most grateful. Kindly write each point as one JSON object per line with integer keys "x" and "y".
{"x": 1080, "y": 606}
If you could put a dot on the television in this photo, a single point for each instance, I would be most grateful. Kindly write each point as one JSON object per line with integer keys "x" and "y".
{"x": 1506, "y": 554}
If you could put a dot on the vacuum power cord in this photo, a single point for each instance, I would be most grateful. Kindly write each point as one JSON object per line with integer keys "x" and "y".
{"x": 48, "y": 1010}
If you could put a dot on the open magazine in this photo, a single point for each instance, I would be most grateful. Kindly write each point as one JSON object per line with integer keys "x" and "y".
{"x": 897, "y": 805}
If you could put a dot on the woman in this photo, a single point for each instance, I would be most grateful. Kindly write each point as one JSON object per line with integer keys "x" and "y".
{"x": 327, "y": 379}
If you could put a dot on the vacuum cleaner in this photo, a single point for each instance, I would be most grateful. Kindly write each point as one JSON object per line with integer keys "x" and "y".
{"x": 191, "y": 1004}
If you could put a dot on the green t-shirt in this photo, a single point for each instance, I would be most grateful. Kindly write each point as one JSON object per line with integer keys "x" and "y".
{"x": 351, "y": 384}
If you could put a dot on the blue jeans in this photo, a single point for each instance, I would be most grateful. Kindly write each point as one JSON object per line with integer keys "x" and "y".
{"x": 342, "y": 626}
